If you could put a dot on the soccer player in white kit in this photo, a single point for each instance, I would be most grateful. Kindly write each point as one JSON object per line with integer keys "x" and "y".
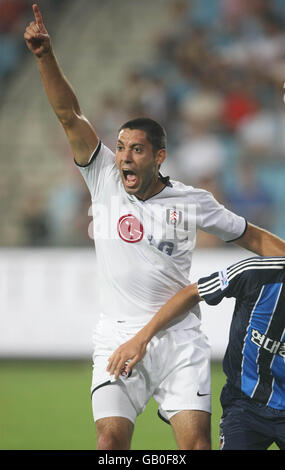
{"x": 144, "y": 230}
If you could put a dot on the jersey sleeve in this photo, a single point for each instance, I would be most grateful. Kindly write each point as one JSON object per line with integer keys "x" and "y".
{"x": 241, "y": 279}
{"x": 99, "y": 168}
{"x": 228, "y": 282}
{"x": 214, "y": 218}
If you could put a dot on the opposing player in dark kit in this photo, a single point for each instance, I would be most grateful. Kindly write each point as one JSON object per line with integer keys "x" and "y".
{"x": 253, "y": 398}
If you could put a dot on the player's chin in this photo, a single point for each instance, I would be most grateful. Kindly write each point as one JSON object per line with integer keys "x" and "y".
{"x": 132, "y": 189}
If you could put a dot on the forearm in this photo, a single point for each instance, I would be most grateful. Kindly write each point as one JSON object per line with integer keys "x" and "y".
{"x": 80, "y": 133}
{"x": 262, "y": 242}
{"x": 59, "y": 91}
{"x": 271, "y": 245}
{"x": 129, "y": 353}
{"x": 178, "y": 305}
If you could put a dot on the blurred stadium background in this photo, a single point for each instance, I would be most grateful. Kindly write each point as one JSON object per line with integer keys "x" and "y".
{"x": 212, "y": 73}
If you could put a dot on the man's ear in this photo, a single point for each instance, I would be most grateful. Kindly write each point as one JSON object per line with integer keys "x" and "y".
{"x": 160, "y": 156}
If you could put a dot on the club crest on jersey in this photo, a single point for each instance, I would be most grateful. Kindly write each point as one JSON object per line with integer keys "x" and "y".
{"x": 130, "y": 228}
{"x": 173, "y": 217}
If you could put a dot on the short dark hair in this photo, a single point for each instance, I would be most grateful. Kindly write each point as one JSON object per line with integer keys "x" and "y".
{"x": 155, "y": 133}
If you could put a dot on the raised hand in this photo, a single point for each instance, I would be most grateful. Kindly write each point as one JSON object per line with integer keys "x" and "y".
{"x": 36, "y": 35}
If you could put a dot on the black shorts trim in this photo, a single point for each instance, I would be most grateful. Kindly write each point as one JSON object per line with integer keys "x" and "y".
{"x": 235, "y": 239}
{"x": 99, "y": 386}
{"x": 162, "y": 418}
{"x": 94, "y": 155}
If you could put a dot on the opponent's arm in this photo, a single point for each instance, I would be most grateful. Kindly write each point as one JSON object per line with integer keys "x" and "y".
{"x": 134, "y": 349}
{"x": 262, "y": 242}
{"x": 80, "y": 133}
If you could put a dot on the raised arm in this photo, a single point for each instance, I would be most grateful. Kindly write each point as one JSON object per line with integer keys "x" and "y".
{"x": 80, "y": 133}
{"x": 134, "y": 349}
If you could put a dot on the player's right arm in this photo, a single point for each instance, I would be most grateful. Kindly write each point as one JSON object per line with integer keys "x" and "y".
{"x": 134, "y": 349}
{"x": 80, "y": 133}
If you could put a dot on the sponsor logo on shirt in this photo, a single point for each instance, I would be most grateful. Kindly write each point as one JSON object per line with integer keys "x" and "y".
{"x": 271, "y": 345}
{"x": 224, "y": 282}
{"x": 130, "y": 228}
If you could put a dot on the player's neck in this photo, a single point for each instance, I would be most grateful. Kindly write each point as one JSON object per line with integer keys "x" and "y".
{"x": 154, "y": 188}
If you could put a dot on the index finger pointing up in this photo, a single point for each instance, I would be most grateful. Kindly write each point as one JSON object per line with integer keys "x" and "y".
{"x": 38, "y": 16}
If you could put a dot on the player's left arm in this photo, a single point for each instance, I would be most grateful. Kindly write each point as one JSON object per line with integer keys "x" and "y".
{"x": 261, "y": 242}
{"x": 134, "y": 349}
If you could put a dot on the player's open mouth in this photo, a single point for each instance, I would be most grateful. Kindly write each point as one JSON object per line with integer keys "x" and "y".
{"x": 130, "y": 178}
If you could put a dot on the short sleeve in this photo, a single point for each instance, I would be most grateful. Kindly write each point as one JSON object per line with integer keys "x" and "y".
{"x": 99, "y": 168}
{"x": 214, "y": 218}
{"x": 241, "y": 279}
{"x": 224, "y": 283}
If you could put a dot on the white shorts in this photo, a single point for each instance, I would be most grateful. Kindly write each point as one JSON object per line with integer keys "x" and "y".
{"x": 175, "y": 371}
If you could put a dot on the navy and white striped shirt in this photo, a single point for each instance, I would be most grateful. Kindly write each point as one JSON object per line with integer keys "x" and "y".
{"x": 254, "y": 360}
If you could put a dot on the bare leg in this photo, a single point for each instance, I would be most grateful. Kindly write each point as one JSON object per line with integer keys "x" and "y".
{"x": 192, "y": 430}
{"x": 114, "y": 433}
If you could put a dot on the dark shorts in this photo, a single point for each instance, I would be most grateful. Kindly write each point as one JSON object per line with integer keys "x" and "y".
{"x": 248, "y": 425}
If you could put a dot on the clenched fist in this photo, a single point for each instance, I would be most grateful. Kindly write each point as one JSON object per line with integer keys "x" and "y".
{"x": 36, "y": 35}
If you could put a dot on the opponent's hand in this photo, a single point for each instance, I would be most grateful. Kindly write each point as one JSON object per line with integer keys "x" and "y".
{"x": 126, "y": 356}
{"x": 36, "y": 35}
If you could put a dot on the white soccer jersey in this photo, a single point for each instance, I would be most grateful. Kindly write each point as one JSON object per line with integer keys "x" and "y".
{"x": 144, "y": 248}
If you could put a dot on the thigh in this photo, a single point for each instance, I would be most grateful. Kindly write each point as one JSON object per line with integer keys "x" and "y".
{"x": 112, "y": 400}
{"x": 279, "y": 427}
{"x": 186, "y": 384}
{"x": 192, "y": 429}
{"x": 133, "y": 391}
{"x": 242, "y": 430}
{"x": 281, "y": 444}
{"x": 114, "y": 416}
{"x": 114, "y": 433}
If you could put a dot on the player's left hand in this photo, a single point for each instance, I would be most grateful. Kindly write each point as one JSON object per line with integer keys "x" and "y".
{"x": 126, "y": 356}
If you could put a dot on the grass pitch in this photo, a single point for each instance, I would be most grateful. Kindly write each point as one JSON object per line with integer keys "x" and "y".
{"x": 46, "y": 406}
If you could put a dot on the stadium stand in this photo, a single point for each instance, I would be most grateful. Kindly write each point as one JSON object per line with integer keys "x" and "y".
{"x": 211, "y": 72}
